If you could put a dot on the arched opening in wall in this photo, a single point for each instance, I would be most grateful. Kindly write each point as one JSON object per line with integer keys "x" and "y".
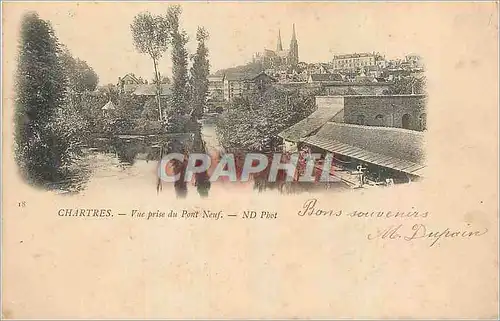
{"x": 379, "y": 120}
{"x": 406, "y": 120}
{"x": 360, "y": 120}
{"x": 423, "y": 121}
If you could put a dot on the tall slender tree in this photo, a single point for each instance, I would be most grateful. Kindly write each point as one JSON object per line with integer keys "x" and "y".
{"x": 151, "y": 36}
{"x": 199, "y": 74}
{"x": 179, "y": 62}
{"x": 41, "y": 152}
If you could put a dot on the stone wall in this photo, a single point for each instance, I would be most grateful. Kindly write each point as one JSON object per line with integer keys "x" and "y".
{"x": 401, "y": 111}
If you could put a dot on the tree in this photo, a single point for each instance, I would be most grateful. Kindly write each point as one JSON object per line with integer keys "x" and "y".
{"x": 199, "y": 74}
{"x": 151, "y": 36}
{"x": 253, "y": 123}
{"x": 81, "y": 77}
{"x": 180, "y": 63}
{"x": 42, "y": 149}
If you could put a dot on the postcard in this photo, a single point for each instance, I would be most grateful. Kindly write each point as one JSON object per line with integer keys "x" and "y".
{"x": 249, "y": 160}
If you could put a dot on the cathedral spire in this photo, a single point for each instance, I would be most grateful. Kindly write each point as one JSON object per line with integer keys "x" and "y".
{"x": 279, "y": 46}
{"x": 293, "y": 53}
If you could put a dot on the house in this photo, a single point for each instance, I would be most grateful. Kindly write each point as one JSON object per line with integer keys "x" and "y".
{"x": 355, "y": 61}
{"x": 317, "y": 68}
{"x": 242, "y": 85}
{"x": 128, "y": 83}
{"x": 233, "y": 86}
{"x": 216, "y": 88}
{"x": 215, "y": 97}
{"x": 259, "y": 82}
{"x": 326, "y": 77}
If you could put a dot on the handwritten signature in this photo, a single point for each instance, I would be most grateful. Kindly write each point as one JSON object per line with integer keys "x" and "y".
{"x": 421, "y": 231}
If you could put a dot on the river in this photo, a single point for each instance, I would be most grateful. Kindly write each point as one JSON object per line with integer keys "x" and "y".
{"x": 133, "y": 163}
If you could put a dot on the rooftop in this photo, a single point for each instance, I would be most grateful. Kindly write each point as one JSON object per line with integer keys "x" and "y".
{"x": 396, "y": 148}
{"x": 326, "y": 77}
{"x": 310, "y": 124}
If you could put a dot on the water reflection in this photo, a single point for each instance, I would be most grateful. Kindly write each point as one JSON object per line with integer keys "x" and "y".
{"x": 129, "y": 150}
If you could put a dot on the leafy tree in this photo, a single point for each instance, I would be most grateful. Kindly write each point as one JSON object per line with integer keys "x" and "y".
{"x": 151, "y": 36}
{"x": 199, "y": 74}
{"x": 150, "y": 112}
{"x": 81, "y": 77}
{"x": 253, "y": 123}
{"x": 180, "y": 63}
{"x": 42, "y": 147}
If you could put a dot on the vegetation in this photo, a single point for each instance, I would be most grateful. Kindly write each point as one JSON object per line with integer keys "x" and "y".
{"x": 199, "y": 74}
{"x": 179, "y": 64}
{"x": 81, "y": 77}
{"x": 151, "y": 36}
{"x": 42, "y": 144}
{"x": 253, "y": 123}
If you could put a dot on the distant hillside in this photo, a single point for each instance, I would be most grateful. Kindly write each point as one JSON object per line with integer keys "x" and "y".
{"x": 248, "y": 69}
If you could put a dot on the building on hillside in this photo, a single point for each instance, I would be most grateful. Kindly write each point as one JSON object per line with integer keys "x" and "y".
{"x": 372, "y": 71}
{"x": 215, "y": 97}
{"x": 233, "y": 86}
{"x": 216, "y": 88}
{"x": 324, "y": 77}
{"x": 238, "y": 85}
{"x": 280, "y": 56}
{"x": 356, "y": 60}
{"x": 317, "y": 68}
{"x": 414, "y": 61}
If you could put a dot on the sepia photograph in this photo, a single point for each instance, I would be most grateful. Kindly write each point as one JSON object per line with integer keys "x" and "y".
{"x": 249, "y": 159}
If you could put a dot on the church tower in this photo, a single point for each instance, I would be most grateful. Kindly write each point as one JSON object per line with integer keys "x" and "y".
{"x": 279, "y": 46}
{"x": 293, "y": 54}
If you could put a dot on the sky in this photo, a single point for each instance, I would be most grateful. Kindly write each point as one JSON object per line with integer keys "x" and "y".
{"x": 99, "y": 33}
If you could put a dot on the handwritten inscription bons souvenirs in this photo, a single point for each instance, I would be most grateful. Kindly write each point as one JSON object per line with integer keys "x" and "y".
{"x": 310, "y": 209}
{"x": 399, "y": 231}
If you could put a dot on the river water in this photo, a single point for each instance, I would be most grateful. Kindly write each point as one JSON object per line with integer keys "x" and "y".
{"x": 133, "y": 163}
